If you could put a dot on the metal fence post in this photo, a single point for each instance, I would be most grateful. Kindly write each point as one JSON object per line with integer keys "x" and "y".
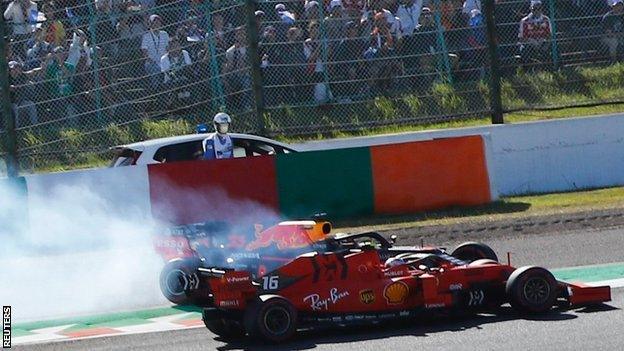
{"x": 7, "y": 111}
{"x": 442, "y": 43}
{"x": 218, "y": 102}
{"x": 496, "y": 105}
{"x": 553, "y": 36}
{"x": 254, "y": 61}
{"x": 93, "y": 19}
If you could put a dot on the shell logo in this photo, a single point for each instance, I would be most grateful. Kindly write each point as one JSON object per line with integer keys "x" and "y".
{"x": 396, "y": 292}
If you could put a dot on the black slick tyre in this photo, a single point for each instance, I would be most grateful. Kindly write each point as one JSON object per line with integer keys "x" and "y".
{"x": 178, "y": 278}
{"x": 472, "y": 251}
{"x": 218, "y": 324}
{"x": 531, "y": 290}
{"x": 271, "y": 318}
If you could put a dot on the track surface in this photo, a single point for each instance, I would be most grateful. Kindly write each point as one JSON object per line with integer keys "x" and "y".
{"x": 559, "y": 330}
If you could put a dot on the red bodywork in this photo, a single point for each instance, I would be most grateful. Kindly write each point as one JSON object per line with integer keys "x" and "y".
{"x": 358, "y": 282}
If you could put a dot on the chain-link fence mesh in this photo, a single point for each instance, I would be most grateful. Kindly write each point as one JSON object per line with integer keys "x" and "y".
{"x": 344, "y": 66}
{"x": 558, "y": 53}
{"x": 86, "y": 75}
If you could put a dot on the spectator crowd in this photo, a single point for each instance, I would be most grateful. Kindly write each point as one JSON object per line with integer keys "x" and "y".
{"x": 73, "y": 60}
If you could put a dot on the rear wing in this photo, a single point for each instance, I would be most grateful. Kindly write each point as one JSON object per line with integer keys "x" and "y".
{"x": 183, "y": 240}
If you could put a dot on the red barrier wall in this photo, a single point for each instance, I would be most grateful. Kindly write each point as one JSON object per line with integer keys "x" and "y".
{"x": 188, "y": 192}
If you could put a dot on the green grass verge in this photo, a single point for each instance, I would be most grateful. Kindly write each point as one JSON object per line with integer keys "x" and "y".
{"x": 508, "y": 207}
{"x": 399, "y": 111}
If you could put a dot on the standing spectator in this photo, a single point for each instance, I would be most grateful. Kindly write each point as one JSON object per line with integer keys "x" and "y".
{"x": 193, "y": 35}
{"x": 284, "y": 16}
{"x": 260, "y": 18}
{"x": 237, "y": 79}
{"x": 154, "y": 45}
{"x": 470, "y": 5}
{"x": 105, "y": 28}
{"x": 454, "y": 23}
{"x": 312, "y": 49}
{"x": 613, "y": 27}
{"x": 476, "y": 39}
{"x": 23, "y": 16}
{"x": 130, "y": 30}
{"x": 311, "y": 11}
{"x": 353, "y": 8}
{"x": 382, "y": 51}
{"x": 381, "y": 6}
{"x": 61, "y": 75}
{"x": 173, "y": 62}
{"x": 221, "y": 33}
{"x": 421, "y": 58}
{"x": 335, "y": 23}
{"x": 79, "y": 48}
{"x": 37, "y": 49}
{"x": 55, "y": 30}
{"x": 409, "y": 13}
{"x": 294, "y": 71}
{"x": 174, "y": 67}
{"x": 270, "y": 55}
{"x": 21, "y": 88}
{"x": 348, "y": 70}
{"x": 286, "y": 19}
{"x": 534, "y": 35}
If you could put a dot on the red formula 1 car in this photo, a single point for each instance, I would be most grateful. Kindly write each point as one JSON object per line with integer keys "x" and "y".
{"x": 363, "y": 278}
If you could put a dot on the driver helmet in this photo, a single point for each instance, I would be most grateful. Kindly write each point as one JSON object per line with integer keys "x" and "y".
{"x": 394, "y": 262}
{"x": 222, "y": 123}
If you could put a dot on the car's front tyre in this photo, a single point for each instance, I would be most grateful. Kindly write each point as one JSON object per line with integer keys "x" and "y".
{"x": 531, "y": 290}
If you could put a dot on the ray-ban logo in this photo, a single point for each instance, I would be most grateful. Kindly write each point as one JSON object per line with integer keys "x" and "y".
{"x": 6, "y": 327}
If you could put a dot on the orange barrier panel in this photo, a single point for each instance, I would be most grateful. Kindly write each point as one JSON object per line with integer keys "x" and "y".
{"x": 426, "y": 175}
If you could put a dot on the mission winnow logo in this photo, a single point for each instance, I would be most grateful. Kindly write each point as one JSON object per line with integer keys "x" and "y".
{"x": 6, "y": 327}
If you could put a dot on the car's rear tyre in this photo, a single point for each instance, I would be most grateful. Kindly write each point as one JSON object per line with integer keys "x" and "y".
{"x": 217, "y": 323}
{"x": 179, "y": 278}
{"x": 531, "y": 290}
{"x": 271, "y": 318}
{"x": 472, "y": 251}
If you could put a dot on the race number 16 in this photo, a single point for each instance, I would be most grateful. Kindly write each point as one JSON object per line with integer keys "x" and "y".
{"x": 270, "y": 283}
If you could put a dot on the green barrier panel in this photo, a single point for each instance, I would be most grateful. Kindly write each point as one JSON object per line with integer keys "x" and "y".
{"x": 338, "y": 182}
{"x": 13, "y": 205}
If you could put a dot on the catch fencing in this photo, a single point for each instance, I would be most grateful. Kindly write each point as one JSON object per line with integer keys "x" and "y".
{"x": 86, "y": 75}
